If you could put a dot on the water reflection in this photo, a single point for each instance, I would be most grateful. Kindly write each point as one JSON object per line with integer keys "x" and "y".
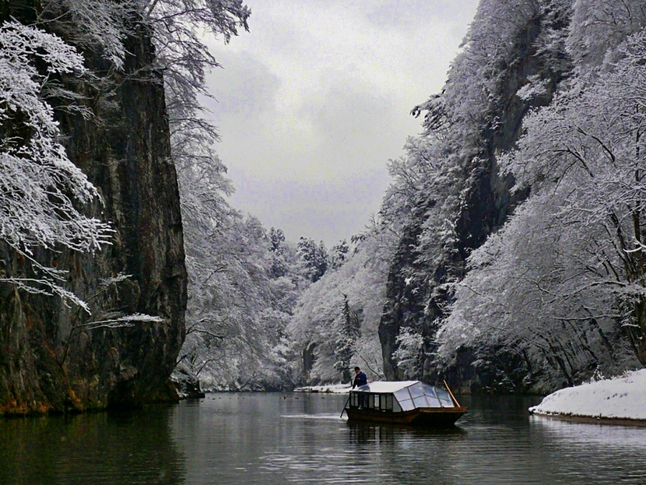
{"x": 621, "y": 449}
{"x": 587, "y": 435}
{"x": 404, "y": 454}
{"x": 362, "y": 433}
{"x": 294, "y": 438}
{"x": 133, "y": 448}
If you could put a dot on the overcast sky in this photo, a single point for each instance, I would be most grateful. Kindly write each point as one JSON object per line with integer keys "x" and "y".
{"x": 315, "y": 99}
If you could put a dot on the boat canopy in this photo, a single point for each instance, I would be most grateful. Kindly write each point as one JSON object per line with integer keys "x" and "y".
{"x": 400, "y": 396}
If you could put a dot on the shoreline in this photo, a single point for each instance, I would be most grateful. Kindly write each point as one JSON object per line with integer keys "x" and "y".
{"x": 325, "y": 389}
{"x": 601, "y": 420}
{"x": 617, "y": 401}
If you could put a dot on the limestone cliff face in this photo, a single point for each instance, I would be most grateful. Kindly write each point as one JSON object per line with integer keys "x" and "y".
{"x": 486, "y": 204}
{"x": 50, "y": 359}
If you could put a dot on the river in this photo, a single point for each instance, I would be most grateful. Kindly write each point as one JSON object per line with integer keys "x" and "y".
{"x": 273, "y": 438}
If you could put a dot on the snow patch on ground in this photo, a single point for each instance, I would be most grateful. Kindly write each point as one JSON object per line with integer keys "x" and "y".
{"x": 330, "y": 389}
{"x": 619, "y": 398}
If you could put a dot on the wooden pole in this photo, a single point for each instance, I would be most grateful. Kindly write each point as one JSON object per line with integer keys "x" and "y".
{"x": 452, "y": 396}
{"x": 345, "y": 406}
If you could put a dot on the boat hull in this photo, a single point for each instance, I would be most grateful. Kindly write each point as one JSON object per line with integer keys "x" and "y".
{"x": 437, "y": 417}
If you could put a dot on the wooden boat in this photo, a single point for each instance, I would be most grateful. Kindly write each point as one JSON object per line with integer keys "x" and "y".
{"x": 405, "y": 402}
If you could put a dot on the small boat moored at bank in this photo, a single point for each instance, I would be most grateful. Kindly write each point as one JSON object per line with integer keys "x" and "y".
{"x": 404, "y": 402}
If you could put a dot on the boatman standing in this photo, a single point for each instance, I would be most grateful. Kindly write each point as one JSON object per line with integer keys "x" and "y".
{"x": 360, "y": 378}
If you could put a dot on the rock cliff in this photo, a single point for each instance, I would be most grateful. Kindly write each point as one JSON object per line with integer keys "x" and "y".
{"x": 51, "y": 360}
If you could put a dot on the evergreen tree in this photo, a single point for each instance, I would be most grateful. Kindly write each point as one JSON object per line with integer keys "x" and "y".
{"x": 347, "y": 336}
{"x": 339, "y": 254}
{"x": 314, "y": 258}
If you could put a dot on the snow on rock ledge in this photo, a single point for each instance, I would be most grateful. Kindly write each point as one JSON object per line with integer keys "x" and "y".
{"x": 622, "y": 398}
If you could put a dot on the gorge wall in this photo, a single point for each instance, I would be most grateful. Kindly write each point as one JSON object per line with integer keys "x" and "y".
{"x": 417, "y": 292}
{"x": 52, "y": 357}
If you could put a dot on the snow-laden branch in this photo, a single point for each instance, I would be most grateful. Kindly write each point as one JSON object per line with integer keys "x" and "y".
{"x": 40, "y": 188}
{"x": 118, "y": 320}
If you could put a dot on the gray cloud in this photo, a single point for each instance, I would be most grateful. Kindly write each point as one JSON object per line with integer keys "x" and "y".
{"x": 316, "y": 99}
{"x": 250, "y": 92}
{"x": 317, "y": 209}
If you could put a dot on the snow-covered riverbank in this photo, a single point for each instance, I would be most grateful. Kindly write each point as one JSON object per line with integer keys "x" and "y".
{"x": 620, "y": 400}
{"x": 329, "y": 388}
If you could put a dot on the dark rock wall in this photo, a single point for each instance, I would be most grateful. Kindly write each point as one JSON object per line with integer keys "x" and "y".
{"x": 405, "y": 307}
{"x": 48, "y": 360}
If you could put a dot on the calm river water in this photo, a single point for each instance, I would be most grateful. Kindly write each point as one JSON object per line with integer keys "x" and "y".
{"x": 299, "y": 438}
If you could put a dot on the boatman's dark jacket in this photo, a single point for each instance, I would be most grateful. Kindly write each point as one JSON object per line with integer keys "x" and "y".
{"x": 360, "y": 380}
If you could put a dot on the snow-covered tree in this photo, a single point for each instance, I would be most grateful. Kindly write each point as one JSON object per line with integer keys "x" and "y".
{"x": 41, "y": 190}
{"x": 599, "y": 27}
{"x": 339, "y": 254}
{"x": 314, "y": 258}
{"x": 238, "y": 307}
{"x": 347, "y": 334}
{"x": 105, "y": 25}
{"x": 452, "y": 185}
{"x": 335, "y": 322}
{"x": 179, "y": 28}
{"x": 410, "y": 345}
{"x": 564, "y": 279}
